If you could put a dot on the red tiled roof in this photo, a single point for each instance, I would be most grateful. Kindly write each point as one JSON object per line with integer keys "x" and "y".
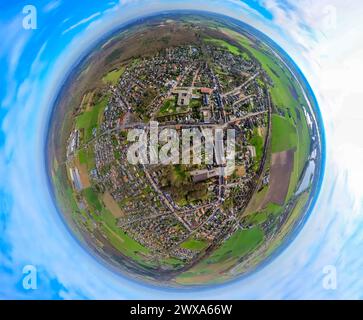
{"x": 206, "y": 90}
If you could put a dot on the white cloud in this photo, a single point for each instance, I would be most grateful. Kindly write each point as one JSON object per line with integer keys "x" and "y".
{"x": 52, "y": 6}
{"x": 82, "y": 22}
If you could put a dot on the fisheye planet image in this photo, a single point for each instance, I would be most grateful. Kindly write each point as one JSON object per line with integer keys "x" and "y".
{"x": 194, "y": 220}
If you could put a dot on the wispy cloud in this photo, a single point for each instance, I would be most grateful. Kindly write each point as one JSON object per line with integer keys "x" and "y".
{"x": 52, "y": 6}
{"x": 82, "y": 22}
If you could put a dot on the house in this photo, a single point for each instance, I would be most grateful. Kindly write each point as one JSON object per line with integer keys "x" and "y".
{"x": 184, "y": 96}
{"x": 206, "y": 91}
{"x": 202, "y": 175}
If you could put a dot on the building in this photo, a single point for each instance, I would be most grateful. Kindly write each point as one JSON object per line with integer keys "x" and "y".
{"x": 184, "y": 96}
{"x": 252, "y": 151}
{"x": 205, "y": 99}
{"x": 202, "y": 175}
{"x": 206, "y": 115}
{"x": 76, "y": 179}
{"x": 206, "y": 91}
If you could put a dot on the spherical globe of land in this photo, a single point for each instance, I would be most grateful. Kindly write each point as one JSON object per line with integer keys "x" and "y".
{"x": 184, "y": 150}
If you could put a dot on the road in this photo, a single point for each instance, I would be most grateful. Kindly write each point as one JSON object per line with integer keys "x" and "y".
{"x": 141, "y": 125}
{"x": 238, "y": 89}
{"x": 244, "y": 99}
{"x": 165, "y": 199}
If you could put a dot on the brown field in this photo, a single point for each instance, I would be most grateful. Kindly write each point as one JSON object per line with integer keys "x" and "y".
{"x": 240, "y": 171}
{"x": 205, "y": 273}
{"x": 87, "y": 101}
{"x": 281, "y": 168}
{"x": 256, "y": 202}
{"x": 112, "y": 206}
{"x": 261, "y": 131}
{"x": 83, "y": 173}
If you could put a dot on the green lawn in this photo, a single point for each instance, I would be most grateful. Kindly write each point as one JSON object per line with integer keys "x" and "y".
{"x": 196, "y": 104}
{"x": 127, "y": 242}
{"x": 83, "y": 156}
{"x": 168, "y": 107}
{"x": 92, "y": 199}
{"x": 262, "y": 216}
{"x": 233, "y": 49}
{"x": 87, "y": 157}
{"x": 175, "y": 263}
{"x": 89, "y": 120}
{"x": 193, "y": 244}
{"x": 211, "y": 270}
{"x": 284, "y": 135}
{"x": 246, "y": 56}
{"x": 113, "y": 76}
{"x": 238, "y": 245}
{"x": 295, "y": 214}
{"x": 258, "y": 218}
{"x": 257, "y": 141}
{"x": 65, "y": 194}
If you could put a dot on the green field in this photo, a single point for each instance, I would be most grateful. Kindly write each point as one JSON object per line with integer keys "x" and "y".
{"x": 89, "y": 120}
{"x": 125, "y": 243}
{"x": 262, "y": 216}
{"x": 83, "y": 156}
{"x": 175, "y": 263}
{"x": 179, "y": 175}
{"x": 295, "y": 214}
{"x": 193, "y": 244}
{"x": 234, "y": 50}
{"x": 257, "y": 141}
{"x": 108, "y": 225}
{"x": 92, "y": 199}
{"x": 241, "y": 243}
{"x": 65, "y": 194}
{"x": 236, "y": 247}
{"x": 113, "y": 76}
{"x": 168, "y": 107}
{"x": 258, "y": 218}
{"x": 86, "y": 156}
{"x": 284, "y": 135}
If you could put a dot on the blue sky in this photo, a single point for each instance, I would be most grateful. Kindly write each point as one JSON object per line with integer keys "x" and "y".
{"x": 33, "y": 64}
